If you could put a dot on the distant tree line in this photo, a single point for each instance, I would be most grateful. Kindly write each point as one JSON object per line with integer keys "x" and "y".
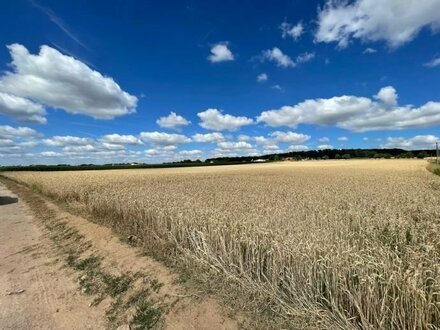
{"x": 295, "y": 155}
{"x": 333, "y": 154}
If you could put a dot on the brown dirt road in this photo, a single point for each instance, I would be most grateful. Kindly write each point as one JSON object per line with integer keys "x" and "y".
{"x": 34, "y": 292}
{"x": 38, "y": 291}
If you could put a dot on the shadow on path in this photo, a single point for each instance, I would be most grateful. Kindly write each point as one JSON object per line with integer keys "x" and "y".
{"x": 5, "y": 200}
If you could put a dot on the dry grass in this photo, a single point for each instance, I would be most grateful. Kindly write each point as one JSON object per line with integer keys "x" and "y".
{"x": 354, "y": 244}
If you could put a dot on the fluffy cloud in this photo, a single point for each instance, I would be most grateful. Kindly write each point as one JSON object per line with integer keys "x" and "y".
{"x": 164, "y": 139}
{"x": 264, "y": 141}
{"x": 14, "y": 140}
{"x": 416, "y": 142}
{"x": 111, "y": 146}
{"x": 240, "y": 145}
{"x": 262, "y": 77}
{"x": 62, "y": 141}
{"x": 325, "y": 146}
{"x": 324, "y": 139}
{"x": 435, "y": 62}
{"x": 354, "y": 113}
{"x": 164, "y": 153}
{"x": 276, "y": 55}
{"x": 7, "y": 131}
{"x": 78, "y": 149}
{"x": 191, "y": 153}
{"x": 208, "y": 137}
{"x": 220, "y": 53}
{"x": 120, "y": 139}
{"x": 298, "y": 148}
{"x": 233, "y": 149}
{"x": 306, "y": 57}
{"x": 214, "y": 120}
{"x": 6, "y": 142}
{"x": 343, "y": 139}
{"x": 387, "y": 95}
{"x": 394, "y": 21}
{"x": 282, "y": 60}
{"x": 290, "y": 137}
{"x": 51, "y": 154}
{"x": 172, "y": 121}
{"x": 270, "y": 144}
{"x": 243, "y": 137}
{"x": 63, "y": 82}
{"x": 21, "y": 109}
{"x": 294, "y": 32}
{"x": 29, "y": 144}
{"x": 316, "y": 111}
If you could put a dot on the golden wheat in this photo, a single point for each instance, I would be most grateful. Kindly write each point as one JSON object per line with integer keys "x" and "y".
{"x": 356, "y": 242}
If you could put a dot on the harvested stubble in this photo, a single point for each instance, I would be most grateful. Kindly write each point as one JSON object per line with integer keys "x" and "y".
{"x": 353, "y": 242}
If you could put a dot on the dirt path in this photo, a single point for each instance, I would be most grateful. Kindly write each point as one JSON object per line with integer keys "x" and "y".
{"x": 105, "y": 284}
{"x": 34, "y": 292}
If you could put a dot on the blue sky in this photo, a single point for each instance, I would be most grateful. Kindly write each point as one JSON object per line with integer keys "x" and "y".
{"x": 154, "y": 81}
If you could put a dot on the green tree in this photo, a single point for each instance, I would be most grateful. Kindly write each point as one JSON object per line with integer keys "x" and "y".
{"x": 422, "y": 154}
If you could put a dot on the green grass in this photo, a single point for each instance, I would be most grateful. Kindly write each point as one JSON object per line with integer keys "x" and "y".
{"x": 146, "y": 316}
{"x": 434, "y": 168}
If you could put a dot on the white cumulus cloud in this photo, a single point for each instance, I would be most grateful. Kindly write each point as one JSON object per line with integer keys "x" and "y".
{"x": 220, "y": 53}
{"x": 325, "y": 146}
{"x": 276, "y": 55}
{"x": 63, "y": 82}
{"x": 290, "y": 137}
{"x": 21, "y": 109}
{"x": 215, "y": 120}
{"x": 164, "y": 139}
{"x": 78, "y": 149}
{"x": 51, "y": 154}
{"x": 305, "y": 57}
{"x": 282, "y": 60}
{"x": 387, "y": 95}
{"x": 62, "y": 141}
{"x": 120, "y": 139}
{"x": 294, "y": 32}
{"x": 262, "y": 77}
{"x": 298, "y": 148}
{"x": 191, "y": 153}
{"x": 208, "y": 137}
{"x": 416, "y": 142}
{"x": 355, "y": 113}
{"x": 7, "y": 131}
{"x": 240, "y": 145}
{"x": 172, "y": 121}
{"x": 394, "y": 21}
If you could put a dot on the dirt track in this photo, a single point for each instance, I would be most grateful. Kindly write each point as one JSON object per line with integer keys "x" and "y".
{"x": 50, "y": 299}
{"x": 38, "y": 291}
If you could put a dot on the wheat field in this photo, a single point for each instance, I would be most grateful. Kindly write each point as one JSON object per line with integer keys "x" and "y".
{"x": 354, "y": 243}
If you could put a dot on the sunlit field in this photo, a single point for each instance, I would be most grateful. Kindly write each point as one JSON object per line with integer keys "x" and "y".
{"x": 354, "y": 243}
